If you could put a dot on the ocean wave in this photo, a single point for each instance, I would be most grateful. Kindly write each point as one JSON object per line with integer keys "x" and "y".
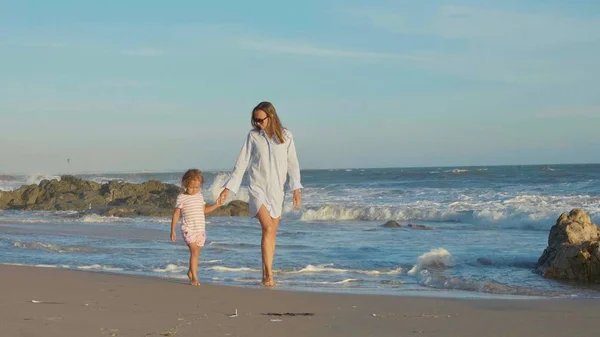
{"x": 498, "y": 262}
{"x": 439, "y": 281}
{"x": 74, "y": 216}
{"x": 437, "y": 258}
{"x": 172, "y": 268}
{"x": 99, "y": 267}
{"x": 233, "y": 269}
{"x": 392, "y": 282}
{"x": 241, "y": 245}
{"x": 52, "y": 248}
{"x": 227, "y": 245}
{"x": 177, "y": 269}
{"x": 312, "y": 269}
{"x": 521, "y": 211}
{"x": 327, "y": 268}
{"x": 38, "y": 177}
{"x": 377, "y": 213}
{"x": 334, "y": 282}
{"x": 216, "y": 187}
{"x": 26, "y": 221}
{"x": 95, "y": 218}
{"x": 66, "y": 266}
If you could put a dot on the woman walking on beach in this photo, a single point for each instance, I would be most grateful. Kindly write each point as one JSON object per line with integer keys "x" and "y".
{"x": 270, "y": 154}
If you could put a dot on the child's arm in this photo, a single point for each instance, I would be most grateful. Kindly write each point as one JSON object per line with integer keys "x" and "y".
{"x": 210, "y": 208}
{"x": 174, "y": 220}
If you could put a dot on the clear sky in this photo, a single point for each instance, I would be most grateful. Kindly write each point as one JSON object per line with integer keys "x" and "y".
{"x": 166, "y": 85}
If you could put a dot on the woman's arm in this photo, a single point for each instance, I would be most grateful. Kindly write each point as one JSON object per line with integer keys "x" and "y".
{"x": 233, "y": 184}
{"x": 294, "y": 172}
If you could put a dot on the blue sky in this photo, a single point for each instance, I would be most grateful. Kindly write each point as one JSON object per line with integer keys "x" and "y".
{"x": 156, "y": 85}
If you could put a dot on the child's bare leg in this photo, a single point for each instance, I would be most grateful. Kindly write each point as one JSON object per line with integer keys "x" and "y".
{"x": 193, "y": 270}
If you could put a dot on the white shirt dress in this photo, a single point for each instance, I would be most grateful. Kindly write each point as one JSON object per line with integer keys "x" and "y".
{"x": 268, "y": 163}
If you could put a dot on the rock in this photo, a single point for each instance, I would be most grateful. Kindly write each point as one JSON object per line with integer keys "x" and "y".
{"x": 421, "y": 227}
{"x": 151, "y": 198}
{"x": 573, "y": 249}
{"x": 392, "y": 224}
{"x": 396, "y": 224}
{"x": 234, "y": 208}
{"x": 485, "y": 261}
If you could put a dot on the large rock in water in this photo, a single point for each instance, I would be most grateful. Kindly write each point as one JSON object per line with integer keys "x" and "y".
{"x": 151, "y": 198}
{"x": 573, "y": 249}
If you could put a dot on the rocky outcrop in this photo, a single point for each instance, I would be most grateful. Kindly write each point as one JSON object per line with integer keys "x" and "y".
{"x": 151, "y": 198}
{"x": 573, "y": 249}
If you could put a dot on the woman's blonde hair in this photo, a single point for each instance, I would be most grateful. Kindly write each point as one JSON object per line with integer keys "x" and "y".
{"x": 274, "y": 123}
{"x": 189, "y": 175}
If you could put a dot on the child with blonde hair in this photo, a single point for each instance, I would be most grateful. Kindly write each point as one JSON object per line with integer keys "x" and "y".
{"x": 191, "y": 206}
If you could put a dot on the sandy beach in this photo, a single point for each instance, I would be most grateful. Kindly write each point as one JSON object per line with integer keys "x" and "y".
{"x": 54, "y": 302}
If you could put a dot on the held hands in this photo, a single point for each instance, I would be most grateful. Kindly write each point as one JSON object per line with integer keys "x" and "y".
{"x": 297, "y": 199}
{"x": 223, "y": 197}
{"x": 225, "y": 193}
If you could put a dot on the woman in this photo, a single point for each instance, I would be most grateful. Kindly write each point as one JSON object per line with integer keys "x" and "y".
{"x": 270, "y": 154}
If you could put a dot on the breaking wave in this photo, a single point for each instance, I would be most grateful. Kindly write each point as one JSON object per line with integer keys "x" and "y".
{"x": 522, "y": 211}
{"x": 328, "y": 268}
{"x": 52, "y": 248}
{"x": 438, "y": 258}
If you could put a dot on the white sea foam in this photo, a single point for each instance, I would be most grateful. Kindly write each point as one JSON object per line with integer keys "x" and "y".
{"x": 210, "y": 261}
{"x": 377, "y": 213}
{"x": 439, "y": 281}
{"x": 177, "y": 269}
{"x": 171, "y": 268}
{"x": 38, "y": 265}
{"x": 51, "y": 247}
{"x": 327, "y": 268}
{"x": 233, "y": 269}
{"x": 38, "y": 177}
{"x": 99, "y": 267}
{"x": 539, "y": 211}
{"x": 213, "y": 191}
{"x": 95, "y": 218}
{"x": 312, "y": 269}
{"x": 341, "y": 282}
{"x": 437, "y": 258}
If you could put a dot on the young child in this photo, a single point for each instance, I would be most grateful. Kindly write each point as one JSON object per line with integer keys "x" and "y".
{"x": 192, "y": 207}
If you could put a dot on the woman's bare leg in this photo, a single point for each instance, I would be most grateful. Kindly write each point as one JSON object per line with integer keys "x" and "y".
{"x": 267, "y": 245}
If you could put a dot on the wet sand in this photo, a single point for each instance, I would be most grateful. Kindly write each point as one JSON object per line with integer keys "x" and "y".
{"x": 55, "y": 302}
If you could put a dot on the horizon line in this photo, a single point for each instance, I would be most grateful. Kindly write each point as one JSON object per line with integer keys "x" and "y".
{"x": 302, "y": 169}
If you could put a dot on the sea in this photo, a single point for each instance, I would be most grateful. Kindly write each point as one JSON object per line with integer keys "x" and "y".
{"x": 477, "y": 232}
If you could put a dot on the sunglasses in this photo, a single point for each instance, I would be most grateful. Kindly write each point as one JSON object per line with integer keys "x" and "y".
{"x": 259, "y": 120}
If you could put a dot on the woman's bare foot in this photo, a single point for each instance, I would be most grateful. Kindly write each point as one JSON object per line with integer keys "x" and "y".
{"x": 194, "y": 283}
{"x": 190, "y": 275}
{"x": 269, "y": 282}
